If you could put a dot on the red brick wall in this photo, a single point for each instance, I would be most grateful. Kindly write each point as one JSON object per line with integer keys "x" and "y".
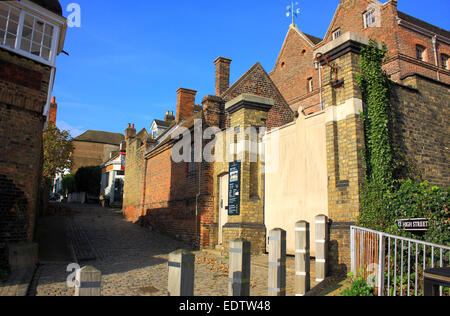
{"x": 23, "y": 95}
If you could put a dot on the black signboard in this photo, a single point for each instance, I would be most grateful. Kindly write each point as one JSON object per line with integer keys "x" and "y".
{"x": 413, "y": 225}
{"x": 234, "y": 189}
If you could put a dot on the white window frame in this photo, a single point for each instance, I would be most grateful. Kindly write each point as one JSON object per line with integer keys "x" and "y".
{"x": 310, "y": 85}
{"x": 17, "y": 49}
{"x": 423, "y": 55}
{"x": 444, "y": 61}
{"x": 337, "y": 33}
{"x": 366, "y": 15}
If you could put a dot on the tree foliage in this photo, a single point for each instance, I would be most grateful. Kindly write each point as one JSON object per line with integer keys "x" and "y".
{"x": 58, "y": 149}
{"x": 68, "y": 184}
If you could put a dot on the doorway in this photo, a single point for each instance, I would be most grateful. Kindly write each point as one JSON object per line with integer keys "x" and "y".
{"x": 223, "y": 205}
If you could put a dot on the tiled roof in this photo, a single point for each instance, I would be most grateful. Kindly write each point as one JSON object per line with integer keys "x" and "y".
{"x": 423, "y": 24}
{"x": 100, "y": 137}
{"x": 51, "y": 5}
{"x": 315, "y": 40}
{"x": 162, "y": 123}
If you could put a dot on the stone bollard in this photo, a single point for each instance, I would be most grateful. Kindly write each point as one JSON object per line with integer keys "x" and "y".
{"x": 239, "y": 274}
{"x": 181, "y": 273}
{"x": 88, "y": 282}
{"x": 302, "y": 259}
{"x": 277, "y": 263}
{"x": 321, "y": 247}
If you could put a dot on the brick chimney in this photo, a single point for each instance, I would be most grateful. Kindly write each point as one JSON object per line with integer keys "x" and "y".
{"x": 130, "y": 131}
{"x": 222, "y": 75}
{"x": 185, "y": 103}
{"x": 53, "y": 110}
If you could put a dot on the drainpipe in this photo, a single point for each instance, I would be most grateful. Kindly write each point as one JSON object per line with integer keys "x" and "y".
{"x": 434, "y": 41}
{"x": 196, "y": 204}
{"x": 320, "y": 87}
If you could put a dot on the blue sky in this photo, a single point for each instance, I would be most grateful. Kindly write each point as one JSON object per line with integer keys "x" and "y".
{"x": 128, "y": 58}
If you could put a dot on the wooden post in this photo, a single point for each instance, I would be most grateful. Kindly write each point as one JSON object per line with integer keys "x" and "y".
{"x": 321, "y": 247}
{"x": 277, "y": 263}
{"x": 181, "y": 273}
{"x": 88, "y": 282}
{"x": 239, "y": 272}
{"x": 302, "y": 259}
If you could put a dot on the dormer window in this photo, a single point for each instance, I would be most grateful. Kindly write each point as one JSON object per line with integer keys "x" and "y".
{"x": 30, "y": 32}
{"x": 369, "y": 19}
{"x": 421, "y": 52}
{"x": 336, "y": 34}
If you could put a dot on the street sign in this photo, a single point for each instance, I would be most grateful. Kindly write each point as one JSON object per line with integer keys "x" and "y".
{"x": 234, "y": 189}
{"x": 413, "y": 225}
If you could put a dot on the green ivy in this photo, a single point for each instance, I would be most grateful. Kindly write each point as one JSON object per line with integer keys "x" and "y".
{"x": 387, "y": 195}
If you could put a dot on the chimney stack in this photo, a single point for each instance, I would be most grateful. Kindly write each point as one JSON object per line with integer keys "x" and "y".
{"x": 169, "y": 117}
{"x": 185, "y": 103}
{"x": 222, "y": 75}
{"x": 53, "y": 110}
{"x": 130, "y": 131}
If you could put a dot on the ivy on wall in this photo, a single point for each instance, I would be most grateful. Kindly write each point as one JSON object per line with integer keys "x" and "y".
{"x": 389, "y": 195}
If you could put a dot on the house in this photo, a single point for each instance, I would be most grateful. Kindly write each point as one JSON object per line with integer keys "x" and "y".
{"x": 113, "y": 176}
{"x": 92, "y": 148}
{"x": 32, "y": 35}
{"x": 158, "y": 127}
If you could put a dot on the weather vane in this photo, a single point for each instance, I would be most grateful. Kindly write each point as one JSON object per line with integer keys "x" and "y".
{"x": 292, "y": 11}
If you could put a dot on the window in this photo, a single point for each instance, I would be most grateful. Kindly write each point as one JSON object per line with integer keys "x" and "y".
{"x": 310, "y": 85}
{"x": 444, "y": 61}
{"x": 420, "y": 52}
{"x": 369, "y": 19}
{"x": 36, "y": 35}
{"x": 336, "y": 33}
{"x": 9, "y": 25}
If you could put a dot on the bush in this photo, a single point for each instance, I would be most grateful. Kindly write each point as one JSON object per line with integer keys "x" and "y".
{"x": 88, "y": 180}
{"x": 68, "y": 184}
{"x": 359, "y": 288}
{"x": 381, "y": 210}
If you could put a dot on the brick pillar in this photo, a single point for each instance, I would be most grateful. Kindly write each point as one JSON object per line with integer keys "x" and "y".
{"x": 222, "y": 75}
{"x": 345, "y": 145}
{"x": 185, "y": 103}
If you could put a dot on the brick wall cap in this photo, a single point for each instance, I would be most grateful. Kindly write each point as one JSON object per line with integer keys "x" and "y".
{"x": 223, "y": 59}
{"x": 247, "y": 97}
{"x": 184, "y": 90}
{"x": 346, "y": 37}
{"x": 212, "y": 98}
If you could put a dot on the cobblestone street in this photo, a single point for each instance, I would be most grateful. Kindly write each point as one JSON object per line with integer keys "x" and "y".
{"x": 133, "y": 260}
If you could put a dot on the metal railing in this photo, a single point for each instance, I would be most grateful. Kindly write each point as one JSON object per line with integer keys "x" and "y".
{"x": 394, "y": 265}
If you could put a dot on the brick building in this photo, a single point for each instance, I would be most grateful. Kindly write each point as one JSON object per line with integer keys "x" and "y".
{"x": 311, "y": 92}
{"x": 414, "y": 47}
{"x": 184, "y": 199}
{"x": 92, "y": 148}
{"x": 32, "y": 34}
